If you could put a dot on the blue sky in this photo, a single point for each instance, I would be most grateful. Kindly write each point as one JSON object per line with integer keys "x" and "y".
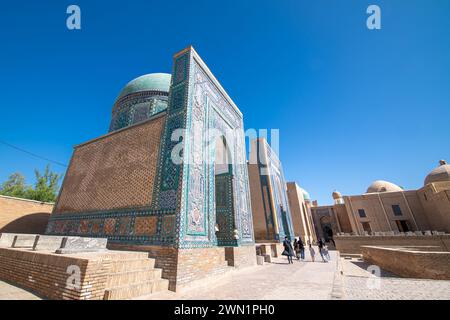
{"x": 352, "y": 105}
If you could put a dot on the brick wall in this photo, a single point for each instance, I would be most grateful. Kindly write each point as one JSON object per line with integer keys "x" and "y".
{"x": 47, "y": 274}
{"x": 435, "y": 199}
{"x": 166, "y": 259}
{"x": 241, "y": 257}
{"x": 352, "y": 244}
{"x": 295, "y": 197}
{"x": 343, "y": 218}
{"x": 185, "y": 267}
{"x": 23, "y": 216}
{"x": 259, "y": 204}
{"x": 114, "y": 171}
{"x": 409, "y": 263}
{"x": 197, "y": 264}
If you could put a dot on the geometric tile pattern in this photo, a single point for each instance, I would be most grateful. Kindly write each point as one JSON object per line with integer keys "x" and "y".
{"x": 126, "y": 187}
{"x": 110, "y": 226}
{"x": 137, "y": 107}
{"x": 145, "y": 225}
{"x": 115, "y": 171}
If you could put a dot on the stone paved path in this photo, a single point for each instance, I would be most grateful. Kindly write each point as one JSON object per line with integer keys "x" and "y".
{"x": 359, "y": 284}
{"x": 278, "y": 280}
{"x": 302, "y": 280}
{"x": 10, "y": 292}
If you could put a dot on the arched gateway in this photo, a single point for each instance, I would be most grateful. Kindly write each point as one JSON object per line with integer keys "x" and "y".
{"x": 154, "y": 183}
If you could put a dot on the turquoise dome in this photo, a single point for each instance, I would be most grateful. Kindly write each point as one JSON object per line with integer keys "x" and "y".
{"x": 151, "y": 81}
{"x": 306, "y": 196}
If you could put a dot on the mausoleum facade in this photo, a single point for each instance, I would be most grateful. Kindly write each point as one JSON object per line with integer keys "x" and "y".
{"x": 155, "y": 183}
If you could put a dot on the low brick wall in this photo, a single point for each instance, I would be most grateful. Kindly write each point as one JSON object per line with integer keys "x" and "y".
{"x": 273, "y": 249}
{"x": 185, "y": 268}
{"x": 241, "y": 257}
{"x": 352, "y": 244}
{"x": 197, "y": 264}
{"x": 409, "y": 263}
{"x": 23, "y": 216}
{"x": 166, "y": 259}
{"x": 47, "y": 274}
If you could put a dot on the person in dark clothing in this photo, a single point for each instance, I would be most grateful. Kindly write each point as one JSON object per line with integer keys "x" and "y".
{"x": 301, "y": 249}
{"x": 288, "y": 250}
{"x": 321, "y": 244}
{"x": 330, "y": 236}
{"x": 295, "y": 247}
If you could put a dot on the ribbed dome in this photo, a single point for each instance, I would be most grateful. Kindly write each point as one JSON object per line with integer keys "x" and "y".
{"x": 441, "y": 173}
{"x": 383, "y": 186}
{"x": 151, "y": 81}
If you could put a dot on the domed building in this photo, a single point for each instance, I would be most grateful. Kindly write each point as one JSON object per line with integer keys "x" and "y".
{"x": 435, "y": 197}
{"x": 130, "y": 187}
{"x": 337, "y": 197}
{"x": 382, "y": 186}
{"x": 330, "y": 220}
{"x": 386, "y": 207}
{"x": 439, "y": 174}
{"x": 140, "y": 99}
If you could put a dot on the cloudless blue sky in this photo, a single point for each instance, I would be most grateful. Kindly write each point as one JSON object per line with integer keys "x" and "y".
{"x": 352, "y": 105}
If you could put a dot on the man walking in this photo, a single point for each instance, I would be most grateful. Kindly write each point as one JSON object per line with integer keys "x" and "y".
{"x": 300, "y": 249}
{"x": 321, "y": 245}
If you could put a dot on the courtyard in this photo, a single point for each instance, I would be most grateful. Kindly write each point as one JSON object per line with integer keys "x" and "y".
{"x": 300, "y": 281}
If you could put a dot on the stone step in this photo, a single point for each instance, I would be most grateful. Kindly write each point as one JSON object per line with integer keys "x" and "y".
{"x": 122, "y": 255}
{"x": 132, "y": 265}
{"x": 350, "y": 255}
{"x": 136, "y": 290}
{"x": 132, "y": 277}
{"x": 24, "y": 241}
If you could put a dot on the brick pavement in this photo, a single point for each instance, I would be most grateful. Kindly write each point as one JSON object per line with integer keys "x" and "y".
{"x": 302, "y": 280}
{"x": 278, "y": 280}
{"x": 10, "y": 292}
{"x": 359, "y": 284}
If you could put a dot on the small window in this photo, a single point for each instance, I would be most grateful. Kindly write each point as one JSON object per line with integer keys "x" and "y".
{"x": 362, "y": 213}
{"x": 397, "y": 210}
{"x": 425, "y": 197}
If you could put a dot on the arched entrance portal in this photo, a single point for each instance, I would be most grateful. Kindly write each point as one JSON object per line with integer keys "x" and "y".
{"x": 327, "y": 230}
{"x": 223, "y": 176}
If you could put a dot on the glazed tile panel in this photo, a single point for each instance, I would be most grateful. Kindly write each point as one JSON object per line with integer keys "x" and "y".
{"x": 126, "y": 187}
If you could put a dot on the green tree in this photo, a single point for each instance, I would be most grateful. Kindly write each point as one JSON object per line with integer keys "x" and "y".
{"x": 45, "y": 189}
{"x": 46, "y": 186}
{"x": 15, "y": 186}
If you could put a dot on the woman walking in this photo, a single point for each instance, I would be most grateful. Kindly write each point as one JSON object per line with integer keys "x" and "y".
{"x": 288, "y": 250}
{"x": 312, "y": 252}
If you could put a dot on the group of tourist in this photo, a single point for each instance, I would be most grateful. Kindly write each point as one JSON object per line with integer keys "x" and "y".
{"x": 298, "y": 250}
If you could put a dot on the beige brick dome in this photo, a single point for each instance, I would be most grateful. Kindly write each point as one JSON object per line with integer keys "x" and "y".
{"x": 440, "y": 173}
{"x": 336, "y": 195}
{"x": 383, "y": 186}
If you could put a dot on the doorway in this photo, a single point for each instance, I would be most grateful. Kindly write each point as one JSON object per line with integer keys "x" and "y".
{"x": 403, "y": 225}
{"x": 224, "y": 200}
